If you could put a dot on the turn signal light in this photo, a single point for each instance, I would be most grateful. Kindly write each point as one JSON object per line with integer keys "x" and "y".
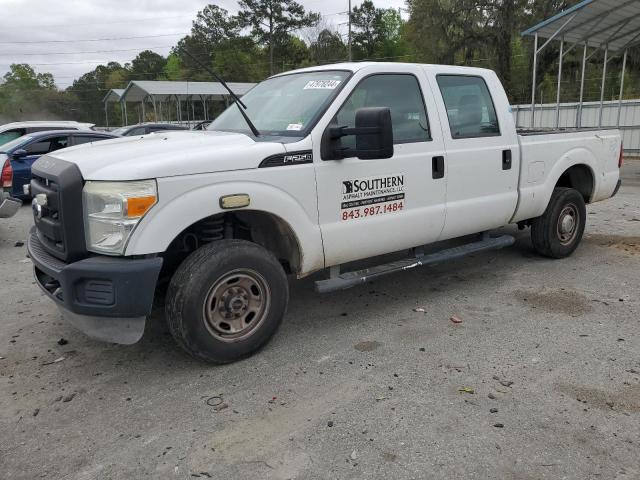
{"x": 138, "y": 206}
{"x": 238, "y": 200}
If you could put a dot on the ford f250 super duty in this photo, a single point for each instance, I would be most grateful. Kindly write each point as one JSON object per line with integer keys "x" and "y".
{"x": 321, "y": 167}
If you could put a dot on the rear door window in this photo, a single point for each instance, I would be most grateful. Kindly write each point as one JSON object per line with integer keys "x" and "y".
{"x": 469, "y": 106}
{"x": 138, "y": 131}
{"x": 48, "y": 145}
{"x": 79, "y": 140}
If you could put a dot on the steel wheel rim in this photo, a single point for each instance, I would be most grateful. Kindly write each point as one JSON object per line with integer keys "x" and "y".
{"x": 236, "y": 305}
{"x": 568, "y": 224}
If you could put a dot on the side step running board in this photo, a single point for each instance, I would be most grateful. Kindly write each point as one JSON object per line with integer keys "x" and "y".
{"x": 351, "y": 279}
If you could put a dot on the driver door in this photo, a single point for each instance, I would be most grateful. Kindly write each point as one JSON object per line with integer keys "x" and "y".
{"x": 371, "y": 207}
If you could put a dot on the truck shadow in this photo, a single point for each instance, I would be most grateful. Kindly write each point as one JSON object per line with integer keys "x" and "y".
{"x": 311, "y": 315}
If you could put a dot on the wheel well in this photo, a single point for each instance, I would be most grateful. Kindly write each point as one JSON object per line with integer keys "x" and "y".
{"x": 262, "y": 228}
{"x": 580, "y": 178}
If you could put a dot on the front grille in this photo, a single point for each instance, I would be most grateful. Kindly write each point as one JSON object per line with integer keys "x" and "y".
{"x": 59, "y": 225}
{"x": 48, "y": 224}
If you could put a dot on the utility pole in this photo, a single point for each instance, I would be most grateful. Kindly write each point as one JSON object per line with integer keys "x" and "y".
{"x": 349, "y": 38}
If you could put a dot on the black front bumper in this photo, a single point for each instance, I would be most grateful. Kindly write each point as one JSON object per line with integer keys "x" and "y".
{"x": 98, "y": 286}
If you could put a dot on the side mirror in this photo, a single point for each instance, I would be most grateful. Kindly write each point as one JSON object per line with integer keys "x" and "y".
{"x": 20, "y": 153}
{"x": 373, "y": 132}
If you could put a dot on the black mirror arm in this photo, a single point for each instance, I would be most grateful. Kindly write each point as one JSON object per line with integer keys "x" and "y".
{"x": 339, "y": 132}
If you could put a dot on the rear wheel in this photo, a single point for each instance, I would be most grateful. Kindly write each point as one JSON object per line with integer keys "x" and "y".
{"x": 558, "y": 232}
{"x": 226, "y": 300}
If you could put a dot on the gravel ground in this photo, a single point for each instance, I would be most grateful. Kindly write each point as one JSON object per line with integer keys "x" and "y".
{"x": 540, "y": 380}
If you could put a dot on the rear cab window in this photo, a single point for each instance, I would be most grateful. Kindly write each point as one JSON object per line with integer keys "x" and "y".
{"x": 469, "y": 105}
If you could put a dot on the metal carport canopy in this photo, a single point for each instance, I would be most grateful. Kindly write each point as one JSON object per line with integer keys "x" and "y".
{"x": 597, "y": 23}
{"x": 114, "y": 95}
{"x": 140, "y": 90}
{"x": 612, "y": 26}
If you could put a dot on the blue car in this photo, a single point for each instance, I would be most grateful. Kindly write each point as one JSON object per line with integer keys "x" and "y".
{"x": 17, "y": 156}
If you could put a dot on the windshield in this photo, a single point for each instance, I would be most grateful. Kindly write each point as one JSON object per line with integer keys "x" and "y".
{"x": 7, "y": 147}
{"x": 288, "y": 105}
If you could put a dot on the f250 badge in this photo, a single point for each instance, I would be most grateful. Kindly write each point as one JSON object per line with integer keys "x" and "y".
{"x": 293, "y": 158}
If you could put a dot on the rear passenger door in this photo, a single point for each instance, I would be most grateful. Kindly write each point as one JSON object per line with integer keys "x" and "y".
{"x": 482, "y": 153}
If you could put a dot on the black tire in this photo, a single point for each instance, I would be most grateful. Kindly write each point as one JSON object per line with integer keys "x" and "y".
{"x": 552, "y": 238}
{"x": 198, "y": 300}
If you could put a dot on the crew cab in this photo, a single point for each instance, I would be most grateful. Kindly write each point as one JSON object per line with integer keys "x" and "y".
{"x": 326, "y": 166}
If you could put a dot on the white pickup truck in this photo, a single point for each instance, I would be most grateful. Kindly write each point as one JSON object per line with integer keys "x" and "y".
{"x": 333, "y": 164}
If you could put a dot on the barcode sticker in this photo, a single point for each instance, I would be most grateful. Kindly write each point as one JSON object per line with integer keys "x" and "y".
{"x": 322, "y": 84}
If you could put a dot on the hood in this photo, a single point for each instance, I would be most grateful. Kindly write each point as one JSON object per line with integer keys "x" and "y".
{"x": 167, "y": 154}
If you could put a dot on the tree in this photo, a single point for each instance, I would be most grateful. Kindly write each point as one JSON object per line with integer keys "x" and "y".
{"x": 271, "y": 21}
{"x": 22, "y": 77}
{"x": 377, "y": 32}
{"x": 292, "y": 53}
{"x": 213, "y": 24}
{"x": 328, "y": 47}
{"x": 239, "y": 60}
{"x": 91, "y": 88}
{"x": 25, "y": 95}
{"x": 366, "y": 22}
{"x": 441, "y": 29}
{"x": 172, "y": 69}
{"x": 147, "y": 65}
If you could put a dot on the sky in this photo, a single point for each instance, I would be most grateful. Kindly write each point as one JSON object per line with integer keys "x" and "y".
{"x": 71, "y": 37}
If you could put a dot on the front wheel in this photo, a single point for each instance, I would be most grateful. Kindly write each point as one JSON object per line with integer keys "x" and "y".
{"x": 559, "y": 230}
{"x": 226, "y": 300}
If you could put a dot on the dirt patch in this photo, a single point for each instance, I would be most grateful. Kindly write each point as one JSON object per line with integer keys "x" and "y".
{"x": 568, "y": 302}
{"x": 366, "y": 346}
{"x": 628, "y": 244}
{"x": 627, "y": 400}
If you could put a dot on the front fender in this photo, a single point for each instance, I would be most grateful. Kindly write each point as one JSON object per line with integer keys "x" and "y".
{"x": 184, "y": 201}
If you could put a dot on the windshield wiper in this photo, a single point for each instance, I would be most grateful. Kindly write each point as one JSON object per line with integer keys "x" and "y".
{"x": 241, "y": 106}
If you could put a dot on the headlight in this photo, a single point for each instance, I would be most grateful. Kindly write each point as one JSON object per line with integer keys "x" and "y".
{"x": 112, "y": 210}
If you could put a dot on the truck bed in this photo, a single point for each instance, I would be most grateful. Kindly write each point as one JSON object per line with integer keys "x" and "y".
{"x": 547, "y": 153}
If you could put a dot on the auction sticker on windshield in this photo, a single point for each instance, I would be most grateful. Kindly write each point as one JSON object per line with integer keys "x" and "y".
{"x": 372, "y": 196}
{"x": 321, "y": 85}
